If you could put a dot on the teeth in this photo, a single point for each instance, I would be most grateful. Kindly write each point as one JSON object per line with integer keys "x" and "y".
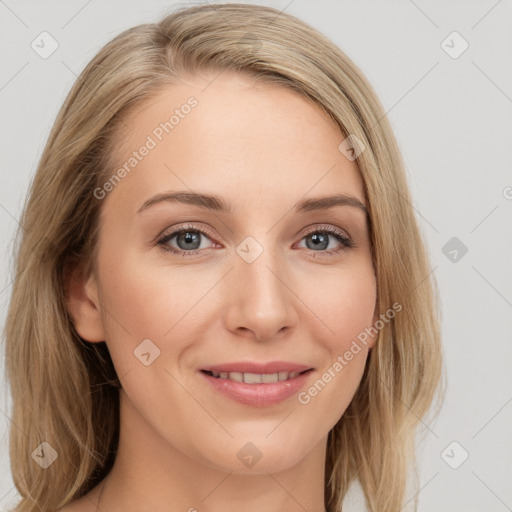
{"x": 252, "y": 378}
{"x": 256, "y": 378}
{"x": 269, "y": 377}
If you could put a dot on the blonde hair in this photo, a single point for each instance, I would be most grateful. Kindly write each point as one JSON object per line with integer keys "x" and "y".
{"x": 66, "y": 391}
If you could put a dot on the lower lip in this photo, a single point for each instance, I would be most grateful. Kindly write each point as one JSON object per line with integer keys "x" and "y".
{"x": 258, "y": 395}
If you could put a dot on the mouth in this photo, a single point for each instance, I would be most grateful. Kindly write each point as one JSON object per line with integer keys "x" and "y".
{"x": 257, "y": 384}
{"x": 256, "y": 378}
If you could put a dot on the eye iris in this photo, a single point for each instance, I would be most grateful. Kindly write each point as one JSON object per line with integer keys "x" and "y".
{"x": 319, "y": 240}
{"x": 189, "y": 237}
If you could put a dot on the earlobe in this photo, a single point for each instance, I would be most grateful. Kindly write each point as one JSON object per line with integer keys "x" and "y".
{"x": 83, "y": 304}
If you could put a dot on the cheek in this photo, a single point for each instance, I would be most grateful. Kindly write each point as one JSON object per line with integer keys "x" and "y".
{"x": 148, "y": 300}
{"x": 343, "y": 303}
{"x": 169, "y": 306}
{"x": 345, "y": 307}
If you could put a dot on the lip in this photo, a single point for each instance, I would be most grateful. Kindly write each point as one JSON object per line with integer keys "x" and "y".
{"x": 258, "y": 395}
{"x": 253, "y": 367}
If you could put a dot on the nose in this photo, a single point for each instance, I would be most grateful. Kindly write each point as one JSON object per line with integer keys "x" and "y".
{"x": 260, "y": 299}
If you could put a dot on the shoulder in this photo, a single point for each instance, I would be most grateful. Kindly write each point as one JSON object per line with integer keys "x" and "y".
{"x": 86, "y": 503}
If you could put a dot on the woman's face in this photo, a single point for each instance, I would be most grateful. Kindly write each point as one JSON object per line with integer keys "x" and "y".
{"x": 184, "y": 285}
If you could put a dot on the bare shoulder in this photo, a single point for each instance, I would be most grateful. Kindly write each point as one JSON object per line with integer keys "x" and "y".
{"x": 76, "y": 506}
{"x": 86, "y": 503}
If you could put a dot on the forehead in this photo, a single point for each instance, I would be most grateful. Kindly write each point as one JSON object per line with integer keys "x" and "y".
{"x": 230, "y": 136}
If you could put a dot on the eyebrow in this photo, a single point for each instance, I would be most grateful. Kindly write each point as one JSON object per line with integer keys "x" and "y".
{"x": 216, "y": 203}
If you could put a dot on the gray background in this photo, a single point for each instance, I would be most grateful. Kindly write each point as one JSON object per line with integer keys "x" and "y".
{"x": 452, "y": 118}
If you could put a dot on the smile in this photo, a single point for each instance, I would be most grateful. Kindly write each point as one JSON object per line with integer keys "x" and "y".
{"x": 257, "y": 389}
{"x": 255, "y": 378}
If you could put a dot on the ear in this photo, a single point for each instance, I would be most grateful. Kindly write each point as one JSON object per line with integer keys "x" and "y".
{"x": 82, "y": 301}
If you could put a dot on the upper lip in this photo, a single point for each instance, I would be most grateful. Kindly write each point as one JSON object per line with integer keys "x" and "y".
{"x": 259, "y": 368}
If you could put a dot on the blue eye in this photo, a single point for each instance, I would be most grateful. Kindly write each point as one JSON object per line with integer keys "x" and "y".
{"x": 320, "y": 240}
{"x": 188, "y": 240}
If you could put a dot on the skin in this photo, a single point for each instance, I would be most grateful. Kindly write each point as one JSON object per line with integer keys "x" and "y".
{"x": 261, "y": 148}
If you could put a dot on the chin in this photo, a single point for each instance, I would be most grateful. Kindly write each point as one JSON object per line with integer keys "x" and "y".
{"x": 253, "y": 458}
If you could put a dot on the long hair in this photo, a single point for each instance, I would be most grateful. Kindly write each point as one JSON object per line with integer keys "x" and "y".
{"x": 65, "y": 391}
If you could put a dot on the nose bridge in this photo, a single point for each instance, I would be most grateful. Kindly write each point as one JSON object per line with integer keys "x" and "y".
{"x": 261, "y": 301}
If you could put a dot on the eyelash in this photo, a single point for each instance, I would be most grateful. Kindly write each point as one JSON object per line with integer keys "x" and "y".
{"x": 345, "y": 241}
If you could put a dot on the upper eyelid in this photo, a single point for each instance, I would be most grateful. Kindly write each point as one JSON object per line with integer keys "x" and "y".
{"x": 174, "y": 231}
